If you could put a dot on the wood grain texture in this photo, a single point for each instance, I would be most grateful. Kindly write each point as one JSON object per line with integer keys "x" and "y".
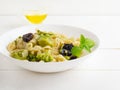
{"x": 70, "y": 80}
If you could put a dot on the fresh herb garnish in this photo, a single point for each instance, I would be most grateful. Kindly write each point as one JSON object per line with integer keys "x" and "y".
{"x": 85, "y": 43}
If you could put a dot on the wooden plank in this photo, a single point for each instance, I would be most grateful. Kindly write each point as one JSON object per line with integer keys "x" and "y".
{"x": 71, "y": 80}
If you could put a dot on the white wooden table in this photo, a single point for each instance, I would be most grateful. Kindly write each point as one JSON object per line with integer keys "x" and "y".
{"x": 100, "y": 72}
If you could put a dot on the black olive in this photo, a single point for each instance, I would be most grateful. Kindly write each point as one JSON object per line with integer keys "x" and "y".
{"x": 68, "y": 46}
{"x": 63, "y": 52}
{"x": 69, "y": 53}
{"x": 66, "y": 50}
{"x": 27, "y": 37}
{"x": 73, "y": 57}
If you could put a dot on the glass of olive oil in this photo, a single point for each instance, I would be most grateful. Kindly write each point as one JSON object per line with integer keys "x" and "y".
{"x": 35, "y": 16}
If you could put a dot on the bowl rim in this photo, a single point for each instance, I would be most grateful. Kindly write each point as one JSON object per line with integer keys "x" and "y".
{"x": 58, "y": 25}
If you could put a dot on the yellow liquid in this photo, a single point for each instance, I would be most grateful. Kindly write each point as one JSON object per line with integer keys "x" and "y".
{"x": 37, "y": 18}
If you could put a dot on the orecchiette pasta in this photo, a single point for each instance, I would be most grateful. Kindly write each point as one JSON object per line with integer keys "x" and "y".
{"x": 45, "y": 46}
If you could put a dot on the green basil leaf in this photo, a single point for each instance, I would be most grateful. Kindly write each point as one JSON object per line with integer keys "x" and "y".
{"x": 87, "y": 48}
{"x": 76, "y": 51}
{"x": 90, "y": 43}
{"x": 82, "y": 39}
{"x": 85, "y": 43}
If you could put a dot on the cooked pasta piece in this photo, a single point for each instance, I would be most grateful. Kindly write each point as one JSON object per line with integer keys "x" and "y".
{"x": 11, "y": 46}
{"x": 59, "y": 58}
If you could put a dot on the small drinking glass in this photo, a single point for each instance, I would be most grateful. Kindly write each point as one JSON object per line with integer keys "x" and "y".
{"x": 35, "y": 16}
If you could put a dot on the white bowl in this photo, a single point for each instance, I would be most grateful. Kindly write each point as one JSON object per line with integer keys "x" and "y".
{"x": 51, "y": 66}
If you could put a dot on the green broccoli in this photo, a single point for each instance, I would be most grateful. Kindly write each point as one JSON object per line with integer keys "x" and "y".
{"x": 45, "y": 57}
{"x": 20, "y": 54}
{"x": 44, "y": 41}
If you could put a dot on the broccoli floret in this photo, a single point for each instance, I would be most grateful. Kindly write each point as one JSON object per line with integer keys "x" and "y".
{"x": 45, "y": 57}
{"x": 44, "y": 41}
{"x": 20, "y": 54}
{"x": 32, "y": 57}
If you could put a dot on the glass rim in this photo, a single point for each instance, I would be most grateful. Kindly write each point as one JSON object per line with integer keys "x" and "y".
{"x": 33, "y": 12}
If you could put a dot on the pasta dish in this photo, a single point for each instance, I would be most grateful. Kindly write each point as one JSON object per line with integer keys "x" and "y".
{"x": 49, "y": 47}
